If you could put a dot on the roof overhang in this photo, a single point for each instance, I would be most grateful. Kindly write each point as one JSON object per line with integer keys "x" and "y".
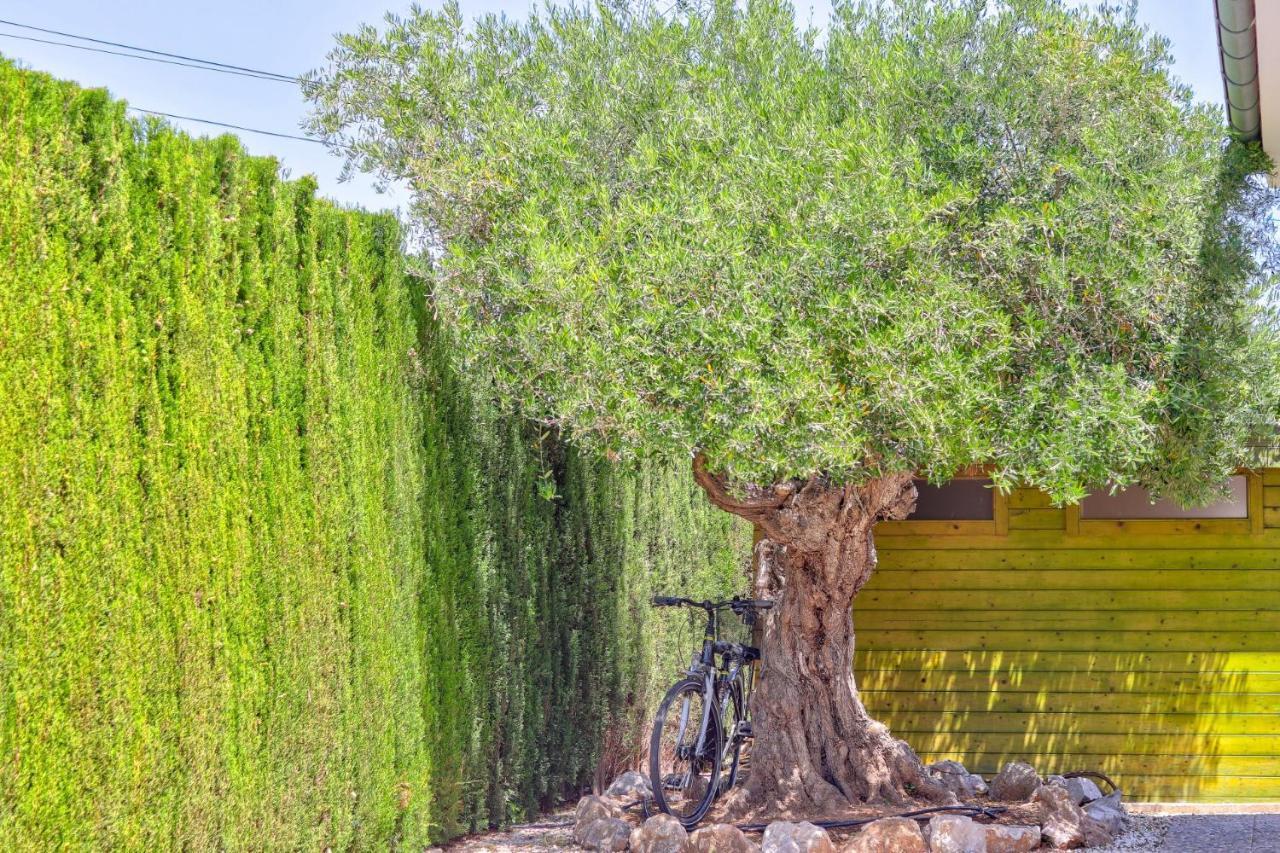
{"x": 1249, "y": 52}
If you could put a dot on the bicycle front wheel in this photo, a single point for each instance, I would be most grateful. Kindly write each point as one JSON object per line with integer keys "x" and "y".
{"x": 685, "y": 752}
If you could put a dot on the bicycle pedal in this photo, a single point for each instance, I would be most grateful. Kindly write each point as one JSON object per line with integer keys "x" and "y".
{"x": 744, "y": 729}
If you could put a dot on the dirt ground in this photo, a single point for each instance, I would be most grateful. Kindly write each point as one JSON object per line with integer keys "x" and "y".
{"x": 1217, "y": 833}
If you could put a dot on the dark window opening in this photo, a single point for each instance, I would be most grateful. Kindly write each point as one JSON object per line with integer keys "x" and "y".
{"x": 958, "y": 500}
{"x": 1135, "y": 502}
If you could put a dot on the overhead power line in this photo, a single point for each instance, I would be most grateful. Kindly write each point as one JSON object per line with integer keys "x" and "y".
{"x": 229, "y": 126}
{"x": 206, "y": 63}
{"x": 170, "y": 59}
{"x": 251, "y": 75}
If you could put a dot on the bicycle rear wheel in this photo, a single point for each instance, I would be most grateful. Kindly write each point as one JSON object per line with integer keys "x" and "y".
{"x": 685, "y": 753}
{"x": 736, "y": 730}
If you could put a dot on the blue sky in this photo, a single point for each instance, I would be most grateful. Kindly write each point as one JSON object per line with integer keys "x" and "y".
{"x": 291, "y": 36}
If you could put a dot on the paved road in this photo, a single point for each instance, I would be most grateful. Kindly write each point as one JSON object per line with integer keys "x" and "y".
{"x": 1245, "y": 833}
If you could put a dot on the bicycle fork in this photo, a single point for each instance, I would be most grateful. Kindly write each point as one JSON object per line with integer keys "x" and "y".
{"x": 704, "y": 728}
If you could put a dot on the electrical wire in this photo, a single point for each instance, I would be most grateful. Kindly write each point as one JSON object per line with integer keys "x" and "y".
{"x": 251, "y": 75}
{"x": 287, "y": 78}
{"x": 174, "y": 59}
{"x": 230, "y": 126}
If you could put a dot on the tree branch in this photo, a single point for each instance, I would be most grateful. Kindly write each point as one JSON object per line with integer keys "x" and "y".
{"x": 752, "y": 510}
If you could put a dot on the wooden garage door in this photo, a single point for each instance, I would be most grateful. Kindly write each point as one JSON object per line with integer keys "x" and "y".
{"x": 1148, "y": 651}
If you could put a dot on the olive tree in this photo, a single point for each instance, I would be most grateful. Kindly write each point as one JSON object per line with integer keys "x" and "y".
{"x": 818, "y": 263}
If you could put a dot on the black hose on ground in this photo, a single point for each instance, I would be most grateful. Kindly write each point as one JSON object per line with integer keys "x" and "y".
{"x": 990, "y": 812}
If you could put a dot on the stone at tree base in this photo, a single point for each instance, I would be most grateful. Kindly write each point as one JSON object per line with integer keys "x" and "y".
{"x": 1030, "y": 813}
{"x": 889, "y": 835}
{"x": 958, "y": 780}
{"x": 660, "y": 834}
{"x": 1012, "y": 839}
{"x": 605, "y": 833}
{"x": 722, "y": 838}
{"x": 1107, "y": 811}
{"x": 1082, "y": 790}
{"x": 630, "y": 786}
{"x": 1066, "y": 826}
{"x": 1095, "y": 834}
{"x": 593, "y": 808}
{"x": 953, "y": 833}
{"x": 696, "y": 789}
{"x": 786, "y": 837}
{"x": 1015, "y": 782}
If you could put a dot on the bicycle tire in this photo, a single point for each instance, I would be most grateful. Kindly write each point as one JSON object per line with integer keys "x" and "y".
{"x": 730, "y": 732}
{"x": 701, "y": 777}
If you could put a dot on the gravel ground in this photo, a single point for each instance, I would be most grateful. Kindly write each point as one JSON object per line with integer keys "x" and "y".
{"x": 1142, "y": 833}
{"x": 551, "y": 832}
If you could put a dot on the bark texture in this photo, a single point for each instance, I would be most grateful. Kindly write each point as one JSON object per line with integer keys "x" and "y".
{"x": 817, "y": 751}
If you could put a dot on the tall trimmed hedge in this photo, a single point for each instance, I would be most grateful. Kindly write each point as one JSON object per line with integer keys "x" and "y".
{"x": 272, "y": 574}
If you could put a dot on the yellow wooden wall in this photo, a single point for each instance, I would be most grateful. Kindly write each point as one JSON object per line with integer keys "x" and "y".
{"x": 1150, "y": 651}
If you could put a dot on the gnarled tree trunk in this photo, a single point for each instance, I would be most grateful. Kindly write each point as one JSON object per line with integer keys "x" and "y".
{"x": 816, "y": 749}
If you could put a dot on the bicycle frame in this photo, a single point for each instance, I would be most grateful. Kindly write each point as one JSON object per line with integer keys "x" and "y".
{"x": 705, "y": 668}
{"x": 718, "y": 689}
{"x": 708, "y": 656}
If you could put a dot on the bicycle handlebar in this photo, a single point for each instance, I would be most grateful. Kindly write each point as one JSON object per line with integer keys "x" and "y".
{"x": 752, "y": 603}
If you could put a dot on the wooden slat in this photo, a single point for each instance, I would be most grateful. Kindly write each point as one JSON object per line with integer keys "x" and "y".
{"x": 1051, "y": 602}
{"x": 937, "y": 528}
{"x": 1046, "y": 701}
{"x": 1012, "y": 662}
{"x": 1066, "y": 684}
{"x": 1035, "y": 519}
{"x": 1071, "y": 520}
{"x": 1035, "y": 621}
{"x": 1047, "y": 724}
{"x": 893, "y": 557}
{"x": 1187, "y": 580}
{"x": 1209, "y": 640}
{"x": 1256, "y": 514}
{"x": 1163, "y": 526}
{"x": 1128, "y": 540}
{"x": 1000, "y": 512}
{"x": 1032, "y": 499}
{"x": 1082, "y": 745}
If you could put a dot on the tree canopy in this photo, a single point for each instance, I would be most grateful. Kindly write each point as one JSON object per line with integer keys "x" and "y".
{"x": 921, "y": 236}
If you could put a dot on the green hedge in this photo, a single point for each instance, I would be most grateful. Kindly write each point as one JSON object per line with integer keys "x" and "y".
{"x": 272, "y": 575}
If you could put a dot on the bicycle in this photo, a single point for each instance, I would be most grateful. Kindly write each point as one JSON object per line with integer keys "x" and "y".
{"x": 703, "y": 720}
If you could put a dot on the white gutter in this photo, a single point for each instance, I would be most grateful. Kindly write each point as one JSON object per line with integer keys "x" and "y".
{"x": 1238, "y": 54}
